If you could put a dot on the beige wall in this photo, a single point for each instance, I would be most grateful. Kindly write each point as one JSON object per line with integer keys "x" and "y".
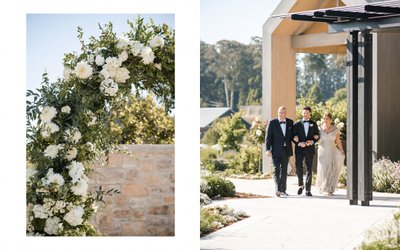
{"x": 146, "y": 206}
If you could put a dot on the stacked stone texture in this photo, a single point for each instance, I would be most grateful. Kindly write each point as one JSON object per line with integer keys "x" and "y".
{"x": 146, "y": 204}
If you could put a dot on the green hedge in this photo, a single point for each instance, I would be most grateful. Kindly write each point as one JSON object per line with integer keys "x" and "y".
{"x": 216, "y": 185}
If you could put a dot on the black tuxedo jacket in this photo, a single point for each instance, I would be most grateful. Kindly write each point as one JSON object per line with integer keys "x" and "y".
{"x": 275, "y": 140}
{"x": 299, "y": 131}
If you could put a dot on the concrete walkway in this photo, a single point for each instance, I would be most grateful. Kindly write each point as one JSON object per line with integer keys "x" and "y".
{"x": 298, "y": 222}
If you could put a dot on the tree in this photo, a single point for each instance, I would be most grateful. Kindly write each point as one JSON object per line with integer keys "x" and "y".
{"x": 230, "y": 73}
{"x": 232, "y": 131}
{"x": 141, "y": 121}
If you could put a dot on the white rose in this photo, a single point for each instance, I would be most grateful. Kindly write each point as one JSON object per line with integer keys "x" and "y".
{"x": 73, "y": 134}
{"x": 67, "y": 73}
{"x": 52, "y": 151}
{"x": 74, "y": 216}
{"x": 71, "y": 154}
{"x": 136, "y": 48}
{"x": 122, "y": 43}
{"x": 54, "y": 178}
{"x": 76, "y": 171}
{"x": 337, "y": 121}
{"x": 99, "y": 60}
{"x": 157, "y": 41}
{"x": 123, "y": 56}
{"x": 83, "y": 70}
{"x": 30, "y": 172}
{"x": 80, "y": 188}
{"x": 258, "y": 132}
{"x": 113, "y": 62}
{"x": 48, "y": 113}
{"x": 121, "y": 75}
{"x": 109, "y": 87}
{"x": 147, "y": 55}
{"x": 40, "y": 212}
{"x": 53, "y": 226}
{"x": 66, "y": 109}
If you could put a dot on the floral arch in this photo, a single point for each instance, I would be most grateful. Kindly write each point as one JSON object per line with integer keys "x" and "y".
{"x": 68, "y": 120}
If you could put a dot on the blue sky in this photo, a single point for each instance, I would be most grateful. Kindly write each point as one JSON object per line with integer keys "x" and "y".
{"x": 233, "y": 19}
{"x": 49, "y": 36}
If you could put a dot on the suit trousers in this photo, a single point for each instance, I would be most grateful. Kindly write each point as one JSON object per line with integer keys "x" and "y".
{"x": 280, "y": 171}
{"x": 300, "y": 155}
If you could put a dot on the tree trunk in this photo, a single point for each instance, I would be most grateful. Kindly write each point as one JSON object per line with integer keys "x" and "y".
{"x": 226, "y": 92}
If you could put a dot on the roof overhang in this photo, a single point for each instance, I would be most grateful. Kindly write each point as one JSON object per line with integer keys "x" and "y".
{"x": 378, "y": 15}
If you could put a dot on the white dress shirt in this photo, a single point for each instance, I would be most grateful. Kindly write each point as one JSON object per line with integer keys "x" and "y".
{"x": 306, "y": 126}
{"x": 283, "y": 127}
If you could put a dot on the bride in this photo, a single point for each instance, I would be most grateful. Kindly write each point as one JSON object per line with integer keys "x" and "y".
{"x": 330, "y": 156}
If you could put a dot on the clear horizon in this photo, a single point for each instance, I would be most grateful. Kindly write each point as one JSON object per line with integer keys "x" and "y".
{"x": 233, "y": 19}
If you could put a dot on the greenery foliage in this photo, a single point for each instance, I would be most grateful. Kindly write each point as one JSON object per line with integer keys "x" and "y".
{"x": 141, "y": 121}
{"x": 68, "y": 121}
{"x": 247, "y": 160}
{"x": 214, "y": 185}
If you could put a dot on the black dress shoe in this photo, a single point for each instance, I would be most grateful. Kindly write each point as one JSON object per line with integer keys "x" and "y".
{"x": 300, "y": 191}
{"x": 308, "y": 193}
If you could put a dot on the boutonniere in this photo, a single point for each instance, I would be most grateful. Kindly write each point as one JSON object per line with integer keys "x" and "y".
{"x": 311, "y": 125}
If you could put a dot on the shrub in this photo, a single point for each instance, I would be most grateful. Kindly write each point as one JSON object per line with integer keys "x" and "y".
{"x": 204, "y": 200}
{"x": 343, "y": 176}
{"x": 208, "y": 153}
{"x": 386, "y": 237}
{"x": 247, "y": 160}
{"x": 216, "y": 185}
{"x": 213, "y": 217}
{"x": 386, "y": 176}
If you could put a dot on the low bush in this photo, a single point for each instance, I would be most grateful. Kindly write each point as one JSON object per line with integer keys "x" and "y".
{"x": 247, "y": 160}
{"x": 214, "y": 217}
{"x": 213, "y": 185}
{"x": 386, "y": 176}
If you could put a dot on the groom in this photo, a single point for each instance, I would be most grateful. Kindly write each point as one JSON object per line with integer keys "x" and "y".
{"x": 305, "y": 135}
{"x": 279, "y": 146}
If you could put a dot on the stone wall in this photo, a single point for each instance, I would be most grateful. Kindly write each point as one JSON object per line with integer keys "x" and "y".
{"x": 146, "y": 204}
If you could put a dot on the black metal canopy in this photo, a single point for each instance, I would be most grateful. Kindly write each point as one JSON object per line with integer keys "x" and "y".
{"x": 346, "y": 14}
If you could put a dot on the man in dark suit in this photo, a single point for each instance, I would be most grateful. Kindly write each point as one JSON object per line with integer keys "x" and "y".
{"x": 305, "y": 135}
{"x": 279, "y": 146}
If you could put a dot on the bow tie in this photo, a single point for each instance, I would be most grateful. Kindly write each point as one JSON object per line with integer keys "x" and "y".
{"x": 282, "y": 122}
{"x": 306, "y": 121}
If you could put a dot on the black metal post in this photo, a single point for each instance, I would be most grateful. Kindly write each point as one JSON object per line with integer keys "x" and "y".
{"x": 352, "y": 118}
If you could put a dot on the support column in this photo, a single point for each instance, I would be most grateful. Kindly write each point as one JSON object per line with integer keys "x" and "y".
{"x": 365, "y": 118}
{"x": 352, "y": 117}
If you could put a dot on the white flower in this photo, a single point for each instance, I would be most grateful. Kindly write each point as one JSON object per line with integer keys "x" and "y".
{"x": 91, "y": 146}
{"x": 340, "y": 125}
{"x": 76, "y": 171}
{"x": 123, "y": 56}
{"x": 53, "y": 226}
{"x": 113, "y": 62}
{"x": 67, "y": 73}
{"x": 216, "y": 224}
{"x": 147, "y": 55}
{"x": 83, "y": 70}
{"x": 73, "y": 134}
{"x": 121, "y": 75}
{"x": 337, "y": 121}
{"x": 66, "y": 109}
{"x": 258, "y": 132}
{"x": 40, "y": 212}
{"x": 54, "y": 178}
{"x": 48, "y": 113}
{"x": 52, "y": 150}
{"x": 48, "y": 129}
{"x": 157, "y": 41}
{"x": 257, "y": 119}
{"x": 59, "y": 206}
{"x": 158, "y": 66}
{"x": 80, "y": 188}
{"x": 122, "y": 43}
{"x": 30, "y": 172}
{"x": 74, "y": 216}
{"x": 71, "y": 154}
{"x": 109, "y": 87}
{"x": 319, "y": 123}
{"x": 91, "y": 58}
{"x": 99, "y": 60}
{"x": 136, "y": 48}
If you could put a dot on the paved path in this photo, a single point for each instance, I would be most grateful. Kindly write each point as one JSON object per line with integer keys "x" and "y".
{"x": 298, "y": 222}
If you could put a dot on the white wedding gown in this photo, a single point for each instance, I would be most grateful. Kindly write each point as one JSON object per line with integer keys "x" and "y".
{"x": 330, "y": 162}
